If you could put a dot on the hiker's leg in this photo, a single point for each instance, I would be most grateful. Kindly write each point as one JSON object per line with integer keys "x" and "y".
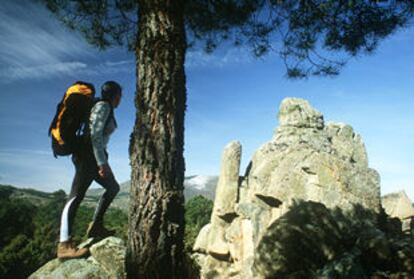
{"x": 84, "y": 175}
{"x": 111, "y": 189}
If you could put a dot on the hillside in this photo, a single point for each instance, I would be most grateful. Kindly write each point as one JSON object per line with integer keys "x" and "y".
{"x": 33, "y": 196}
{"x": 36, "y": 197}
{"x": 194, "y": 186}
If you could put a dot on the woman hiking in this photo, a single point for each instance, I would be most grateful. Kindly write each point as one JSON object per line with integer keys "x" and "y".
{"x": 91, "y": 163}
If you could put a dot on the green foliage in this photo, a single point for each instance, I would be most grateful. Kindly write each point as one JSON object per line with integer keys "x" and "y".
{"x": 83, "y": 217}
{"x": 16, "y": 258}
{"x": 5, "y": 191}
{"x": 198, "y": 211}
{"x": 117, "y": 220}
{"x": 35, "y": 192}
{"x": 16, "y": 218}
{"x": 27, "y": 236}
{"x": 197, "y": 214}
{"x": 114, "y": 218}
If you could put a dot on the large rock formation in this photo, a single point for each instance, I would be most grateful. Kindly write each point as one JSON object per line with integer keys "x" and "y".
{"x": 105, "y": 262}
{"x": 306, "y": 160}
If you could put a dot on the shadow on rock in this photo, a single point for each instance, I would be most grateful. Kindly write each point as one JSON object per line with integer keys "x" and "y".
{"x": 312, "y": 241}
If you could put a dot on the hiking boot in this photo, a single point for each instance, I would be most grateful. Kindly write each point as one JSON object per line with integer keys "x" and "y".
{"x": 68, "y": 250}
{"x": 98, "y": 230}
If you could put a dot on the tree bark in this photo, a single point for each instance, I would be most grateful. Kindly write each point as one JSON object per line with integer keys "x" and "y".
{"x": 156, "y": 213}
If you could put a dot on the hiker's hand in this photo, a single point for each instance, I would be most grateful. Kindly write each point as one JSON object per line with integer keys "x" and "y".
{"x": 105, "y": 171}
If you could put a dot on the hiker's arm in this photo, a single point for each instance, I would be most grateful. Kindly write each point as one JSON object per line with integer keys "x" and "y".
{"x": 99, "y": 115}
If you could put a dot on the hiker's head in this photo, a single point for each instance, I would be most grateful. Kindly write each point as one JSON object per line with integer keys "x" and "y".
{"x": 112, "y": 92}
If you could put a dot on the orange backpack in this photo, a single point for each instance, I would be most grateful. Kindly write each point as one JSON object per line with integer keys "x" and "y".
{"x": 71, "y": 118}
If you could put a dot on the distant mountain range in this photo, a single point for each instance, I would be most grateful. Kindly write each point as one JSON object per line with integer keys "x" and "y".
{"x": 193, "y": 186}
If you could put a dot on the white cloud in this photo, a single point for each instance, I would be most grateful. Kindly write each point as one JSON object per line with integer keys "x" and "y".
{"x": 119, "y": 63}
{"x": 31, "y": 36}
{"x": 75, "y": 68}
{"x": 34, "y": 44}
{"x": 111, "y": 67}
{"x": 42, "y": 71}
{"x": 218, "y": 59}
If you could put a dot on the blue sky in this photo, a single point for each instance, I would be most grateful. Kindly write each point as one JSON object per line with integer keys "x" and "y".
{"x": 231, "y": 96}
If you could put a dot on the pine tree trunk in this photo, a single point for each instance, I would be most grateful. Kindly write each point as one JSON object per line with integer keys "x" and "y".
{"x": 156, "y": 213}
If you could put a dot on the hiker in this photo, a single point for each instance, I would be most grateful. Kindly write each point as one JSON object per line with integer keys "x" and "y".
{"x": 91, "y": 163}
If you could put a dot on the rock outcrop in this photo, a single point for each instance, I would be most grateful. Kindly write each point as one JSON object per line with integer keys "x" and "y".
{"x": 106, "y": 261}
{"x": 399, "y": 205}
{"x": 306, "y": 160}
{"x": 226, "y": 198}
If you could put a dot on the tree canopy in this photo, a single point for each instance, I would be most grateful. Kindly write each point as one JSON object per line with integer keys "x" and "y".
{"x": 313, "y": 37}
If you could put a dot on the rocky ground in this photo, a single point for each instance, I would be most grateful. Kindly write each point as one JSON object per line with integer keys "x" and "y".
{"x": 106, "y": 261}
